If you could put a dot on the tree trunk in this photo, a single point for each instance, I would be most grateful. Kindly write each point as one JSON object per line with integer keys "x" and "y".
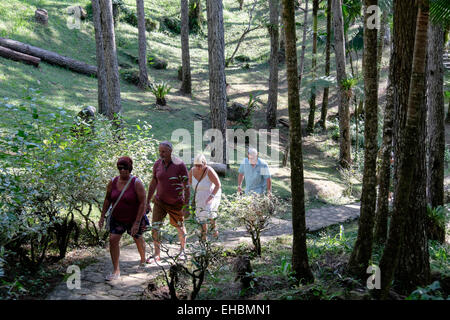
{"x": 101, "y": 69}
{"x": 381, "y": 225}
{"x": 436, "y": 115}
{"x": 273, "y": 78}
{"x": 143, "y": 75}
{"x": 186, "y": 84}
{"x": 323, "y": 115}
{"x": 49, "y": 57}
{"x": 407, "y": 155}
{"x": 299, "y": 252}
{"x": 110, "y": 54}
{"x": 282, "y": 47}
{"x": 312, "y": 100}
{"x": 344, "y": 101}
{"x": 18, "y": 56}
{"x": 383, "y": 23}
{"x": 362, "y": 251}
{"x": 217, "y": 84}
{"x": 195, "y": 15}
{"x": 436, "y": 128}
{"x": 302, "y": 57}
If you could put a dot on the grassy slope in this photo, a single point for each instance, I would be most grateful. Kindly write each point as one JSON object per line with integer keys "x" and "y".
{"x": 72, "y": 91}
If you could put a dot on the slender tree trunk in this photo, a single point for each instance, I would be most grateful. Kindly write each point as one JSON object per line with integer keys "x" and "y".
{"x": 282, "y": 50}
{"x": 299, "y": 252}
{"x": 436, "y": 128}
{"x": 302, "y": 57}
{"x": 217, "y": 84}
{"x": 273, "y": 78}
{"x": 381, "y": 225}
{"x": 101, "y": 70}
{"x": 344, "y": 98}
{"x": 195, "y": 14}
{"x": 186, "y": 84}
{"x": 312, "y": 100}
{"x": 383, "y": 23}
{"x": 408, "y": 149}
{"x": 323, "y": 115}
{"x": 143, "y": 75}
{"x": 110, "y": 55}
{"x": 362, "y": 251}
{"x": 436, "y": 115}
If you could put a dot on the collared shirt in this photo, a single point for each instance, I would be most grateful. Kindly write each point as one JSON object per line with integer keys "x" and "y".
{"x": 170, "y": 178}
{"x": 255, "y": 177}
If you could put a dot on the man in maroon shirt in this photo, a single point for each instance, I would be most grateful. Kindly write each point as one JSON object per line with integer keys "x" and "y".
{"x": 170, "y": 180}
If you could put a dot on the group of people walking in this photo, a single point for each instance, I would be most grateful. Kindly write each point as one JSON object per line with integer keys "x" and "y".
{"x": 127, "y": 204}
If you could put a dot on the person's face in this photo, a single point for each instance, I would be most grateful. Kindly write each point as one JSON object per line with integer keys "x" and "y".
{"x": 252, "y": 159}
{"x": 123, "y": 169}
{"x": 199, "y": 166}
{"x": 164, "y": 153}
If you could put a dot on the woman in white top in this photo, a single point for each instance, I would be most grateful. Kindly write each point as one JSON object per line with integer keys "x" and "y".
{"x": 207, "y": 195}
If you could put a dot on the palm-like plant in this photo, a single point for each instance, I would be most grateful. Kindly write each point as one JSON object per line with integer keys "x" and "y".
{"x": 440, "y": 12}
{"x": 160, "y": 91}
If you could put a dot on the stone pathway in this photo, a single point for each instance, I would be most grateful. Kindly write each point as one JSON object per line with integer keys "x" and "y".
{"x": 134, "y": 280}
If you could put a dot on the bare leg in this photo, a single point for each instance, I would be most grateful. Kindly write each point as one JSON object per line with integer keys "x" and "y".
{"x": 212, "y": 228}
{"x": 140, "y": 244}
{"x": 204, "y": 230}
{"x": 182, "y": 237}
{"x": 114, "y": 250}
{"x": 156, "y": 244}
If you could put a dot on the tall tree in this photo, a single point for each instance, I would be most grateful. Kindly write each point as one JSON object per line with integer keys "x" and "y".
{"x": 282, "y": 48}
{"x": 299, "y": 252}
{"x": 216, "y": 54}
{"x": 436, "y": 115}
{"x": 186, "y": 84}
{"x": 101, "y": 69}
{"x": 344, "y": 98}
{"x": 312, "y": 100}
{"x": 143, "y": 75}
{"x": 407, "y": 149}
{"x": 302, "y": 56}
{"x": 273, "y": 77}
{"x": 110, "y": 55}
{"x": 326, "y": 90}
{"x": 362, "y": 251}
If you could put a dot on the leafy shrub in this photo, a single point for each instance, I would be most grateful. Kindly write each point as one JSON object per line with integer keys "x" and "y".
{"x": 52, "y": 176}
{"x": 160, "y": 91}
{"x": 171, "y": 24}
{"x": 431, "y": 292}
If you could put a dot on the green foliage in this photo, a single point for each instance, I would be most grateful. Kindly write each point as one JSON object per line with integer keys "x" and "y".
{"x": 160, "y": 90}
{"x": 349, "y": 83}
{"x": 54, "y": 169}
{"x": 440, "y": 12}
{"x": 171, "y": 24}
{"x": 439, "y": 214}
{"x": 430, "y": 292}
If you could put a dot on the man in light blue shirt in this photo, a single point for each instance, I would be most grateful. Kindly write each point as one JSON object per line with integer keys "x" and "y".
{"x": 256, "y": 174}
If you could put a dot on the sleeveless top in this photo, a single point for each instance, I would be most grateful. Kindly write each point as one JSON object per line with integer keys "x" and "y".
{"x": 204, "y": 189}
{"x": 127, "y": 209}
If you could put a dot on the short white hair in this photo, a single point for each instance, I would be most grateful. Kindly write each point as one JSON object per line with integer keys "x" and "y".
{"x": 200, "y": 159}
{"x": 252, "y": 152}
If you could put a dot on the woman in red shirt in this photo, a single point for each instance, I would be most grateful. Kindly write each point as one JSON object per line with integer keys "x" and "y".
{"x": 128, "y": 215}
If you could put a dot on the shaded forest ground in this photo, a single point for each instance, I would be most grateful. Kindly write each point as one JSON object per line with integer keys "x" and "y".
{"x": 324, "y": 184}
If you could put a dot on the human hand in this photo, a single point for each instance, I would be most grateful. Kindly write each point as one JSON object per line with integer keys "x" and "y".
{"x": 148, "y": 208}
{"x": 209, "y": 199}
{"x": 100, "y": 222}
{"x": 134, "y": 228}
{"x": 239, "y": 189}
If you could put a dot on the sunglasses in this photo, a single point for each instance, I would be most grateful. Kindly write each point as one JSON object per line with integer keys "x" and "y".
{"x": 122, "y": 167}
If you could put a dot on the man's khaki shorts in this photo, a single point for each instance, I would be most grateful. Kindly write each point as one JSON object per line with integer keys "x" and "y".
{"x": 161, "y": 209}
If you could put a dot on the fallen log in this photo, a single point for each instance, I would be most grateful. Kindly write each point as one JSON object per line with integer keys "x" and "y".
{"x": 50, "y": 57}
{"x": 18, "y": 56}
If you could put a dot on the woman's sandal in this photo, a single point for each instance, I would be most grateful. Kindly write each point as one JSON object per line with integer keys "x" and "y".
{"x": 151, "y": 260}
{"x": 112, "y": 277}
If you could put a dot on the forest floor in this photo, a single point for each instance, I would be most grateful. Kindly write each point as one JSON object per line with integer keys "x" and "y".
{"x": 325, "y": 185}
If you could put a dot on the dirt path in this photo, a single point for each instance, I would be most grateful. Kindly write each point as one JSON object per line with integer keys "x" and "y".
{"x": 133, "y": 280}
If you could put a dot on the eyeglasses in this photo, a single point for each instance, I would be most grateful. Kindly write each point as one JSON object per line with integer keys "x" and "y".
{"x": 122, "y": 168}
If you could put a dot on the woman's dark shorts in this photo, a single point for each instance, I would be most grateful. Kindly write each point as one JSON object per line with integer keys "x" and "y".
{"x": 117, "y": 227}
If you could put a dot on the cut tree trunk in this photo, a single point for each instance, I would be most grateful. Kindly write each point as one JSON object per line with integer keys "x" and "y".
{"x": 18, "y": 56}
{"x": 50, "y": 57}
{"x": 41, "y": 16}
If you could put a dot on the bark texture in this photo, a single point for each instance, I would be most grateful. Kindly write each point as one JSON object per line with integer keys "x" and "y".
{"x": 217, "y": 84}
{"x": 323, "y": 114}
{"x": 186, "y": 82}
{"x": 143, "y": 74}
{"x": 101, "y": 69}
{"x": 18, "y": 56}
{"x": 273, "y": 77}
{"x": 299, "y": 253}
{"x": 312, "y": 100}
{"x": 344, "y": 96}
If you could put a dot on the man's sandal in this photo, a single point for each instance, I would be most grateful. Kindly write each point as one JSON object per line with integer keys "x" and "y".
{"x": 112, "y": 277}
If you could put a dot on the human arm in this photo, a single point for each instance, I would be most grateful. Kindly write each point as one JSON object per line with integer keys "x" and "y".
{"x": 269, "y": 186}
{"x": 214, "y": 178}
{"x": 140, "y": 191}
{"x": 151, "y": 191}
{"x": 106, "y": 204}
{"x": 240, "y": 179}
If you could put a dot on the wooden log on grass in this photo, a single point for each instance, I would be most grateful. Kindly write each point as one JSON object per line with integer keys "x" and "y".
{"x": 18, "y": 56}
{"x": 50, "y": 57}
